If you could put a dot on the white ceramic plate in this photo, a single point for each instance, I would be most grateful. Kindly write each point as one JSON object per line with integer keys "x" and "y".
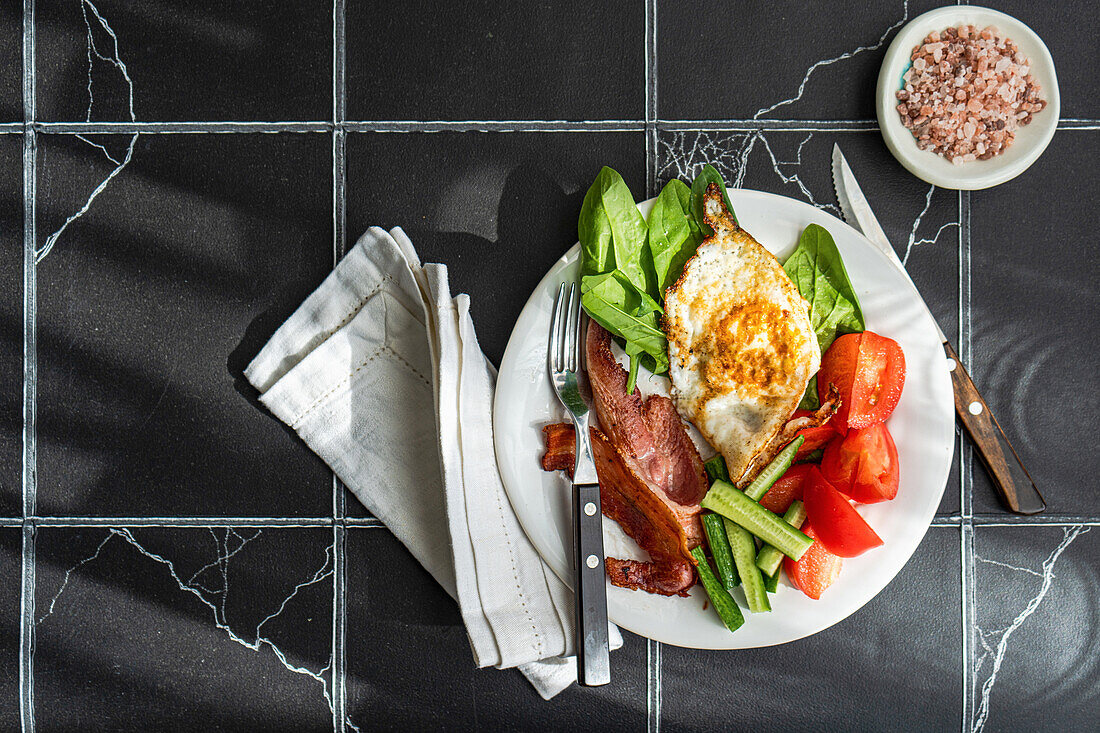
{"x": 922, "y": 426}
{"x": 1031, "y": 140}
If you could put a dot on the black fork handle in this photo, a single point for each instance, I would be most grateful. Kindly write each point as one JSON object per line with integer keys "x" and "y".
{"x": 590, "y": 596}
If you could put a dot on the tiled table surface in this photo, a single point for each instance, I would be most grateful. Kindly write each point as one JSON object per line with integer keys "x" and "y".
{"x": 176, "y": 178}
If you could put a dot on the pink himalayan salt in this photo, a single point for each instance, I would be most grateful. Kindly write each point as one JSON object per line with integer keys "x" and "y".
{"x": 966, "y": 93}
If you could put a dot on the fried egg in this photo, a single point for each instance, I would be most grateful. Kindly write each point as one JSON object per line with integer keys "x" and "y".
{"x": 740, "y": 343}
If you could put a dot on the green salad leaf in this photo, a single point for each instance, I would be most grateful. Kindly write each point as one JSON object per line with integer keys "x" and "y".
{"x": 613, "y": 233}
{"x": 817, "y": 270}
{"x": 674, "y": 234}
{"x": 810, "y": 400}
{"x": 613, "y": 301}
{"x": 707, "y": 176}
{"x": 627, "y": 262}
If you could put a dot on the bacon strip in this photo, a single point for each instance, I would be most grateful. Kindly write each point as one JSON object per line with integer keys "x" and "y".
{"x": 651, "y": 475}
{"x": 666, "y": 579}
{"x": 655, "y": 525}
{"x": 561, "y": 447}
{"x": 649, "y": 432}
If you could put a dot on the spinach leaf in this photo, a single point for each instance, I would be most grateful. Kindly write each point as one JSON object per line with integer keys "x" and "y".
{"x": 612, "y": 233}
{"x": 615, "y": 303}
{"x": 817, "y": 270}
{"x": 706, "y": 177}
{"x": 674, "y": 235}
{"x": 810, "y": 400}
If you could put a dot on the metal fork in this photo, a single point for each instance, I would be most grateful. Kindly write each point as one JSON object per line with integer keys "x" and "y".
{"x": 590, "y": 591}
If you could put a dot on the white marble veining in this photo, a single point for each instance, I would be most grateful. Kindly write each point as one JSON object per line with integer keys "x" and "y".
{"x": 682, "y": 153}
{"x": 760, "y": 113}
{"x": 995, "y": 642}
{"x": 114, "y": 58}
{"x": 210, "y": 585}
{"x": 913, "y": 241}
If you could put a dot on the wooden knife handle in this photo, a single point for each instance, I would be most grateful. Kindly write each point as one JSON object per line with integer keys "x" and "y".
{"x": 590, "y": 590}
{"x": 1010, "y": 477}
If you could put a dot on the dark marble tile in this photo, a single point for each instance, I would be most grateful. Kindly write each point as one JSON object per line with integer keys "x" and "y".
{"x": 495, "y": 60}
{"x": 259, "y": 60}
{"x": 143, "y": 629}
{"x": 497, "y": 208}
{"x": 718, "y": 62}
{"x": 1059, "y": 25}
{"x": 353, "y": 507}
{"x": 921, "y": 221}
{"x": 150, "y": 306}
{"x": 11, "y": 570}
{"x": 1034, "y": 304}
{"x": 11, "y": 62}
{"x": 410, "y": 666}
{"x": 862, "y": 674}
{"x": 1036, "y": 643}
{"x": 11, "y": 325}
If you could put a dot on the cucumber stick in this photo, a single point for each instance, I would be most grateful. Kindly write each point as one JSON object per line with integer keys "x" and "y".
{"x": 720, "y": 551}
{"x": 744, "y": 555}
{"x": 771, "y": 582}
{"x": 716, "y": 468}
{"x": 719, "y": 597}
{"x": 774, "y": 470}
{"x": 732, "y": 504}
{"x": 769, "y": 558}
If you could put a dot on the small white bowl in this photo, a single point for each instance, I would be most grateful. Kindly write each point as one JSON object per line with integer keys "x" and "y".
{"x": 1031, "y": 140}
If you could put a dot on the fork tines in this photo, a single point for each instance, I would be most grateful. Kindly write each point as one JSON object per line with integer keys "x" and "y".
{"x": 561, "y": 354}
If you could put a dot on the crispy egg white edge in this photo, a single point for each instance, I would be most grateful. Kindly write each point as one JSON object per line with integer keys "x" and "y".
{"x": 740, "y": 428}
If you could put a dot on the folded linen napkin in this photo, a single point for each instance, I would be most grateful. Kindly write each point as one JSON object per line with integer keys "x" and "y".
{"x": 378, "y": 371}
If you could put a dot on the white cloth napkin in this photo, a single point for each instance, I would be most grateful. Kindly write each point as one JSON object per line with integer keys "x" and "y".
{"x": 379, "y": 371}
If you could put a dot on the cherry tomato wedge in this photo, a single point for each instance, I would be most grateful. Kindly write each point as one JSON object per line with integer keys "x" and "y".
{"x": 817, "y": 569}
{"x": 838, "y": 525}
{"x": 863, "y": 465}
{"x": 869, "y": 372}
{"x": 786, "y": 489}
{"x": 817, "y": 437}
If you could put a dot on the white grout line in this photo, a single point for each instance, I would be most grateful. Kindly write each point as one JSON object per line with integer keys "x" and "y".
{"x": 380, "y": 126}
{"x": 130, "y": 128}
{"x": 966, "y": 632}
{"x": 497, "y": 126}
{"x": 1013, "y": 520}
{"x": 770, "y": 125}
{"x": 30, "y": 376}
{"x": 182, "y": 521}
{"x": 26, "y": 631}
{"x": 966, "y": 476}
{"x": 364, "y": 523}
{"x": 653, "y": 686}
{"x": 651, "y": 96}
{"x": 340, "y": 721}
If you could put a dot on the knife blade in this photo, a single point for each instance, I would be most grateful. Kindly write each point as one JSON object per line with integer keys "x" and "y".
{"x": 1013, "y": 482}
{"x": 857, "y": 212}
